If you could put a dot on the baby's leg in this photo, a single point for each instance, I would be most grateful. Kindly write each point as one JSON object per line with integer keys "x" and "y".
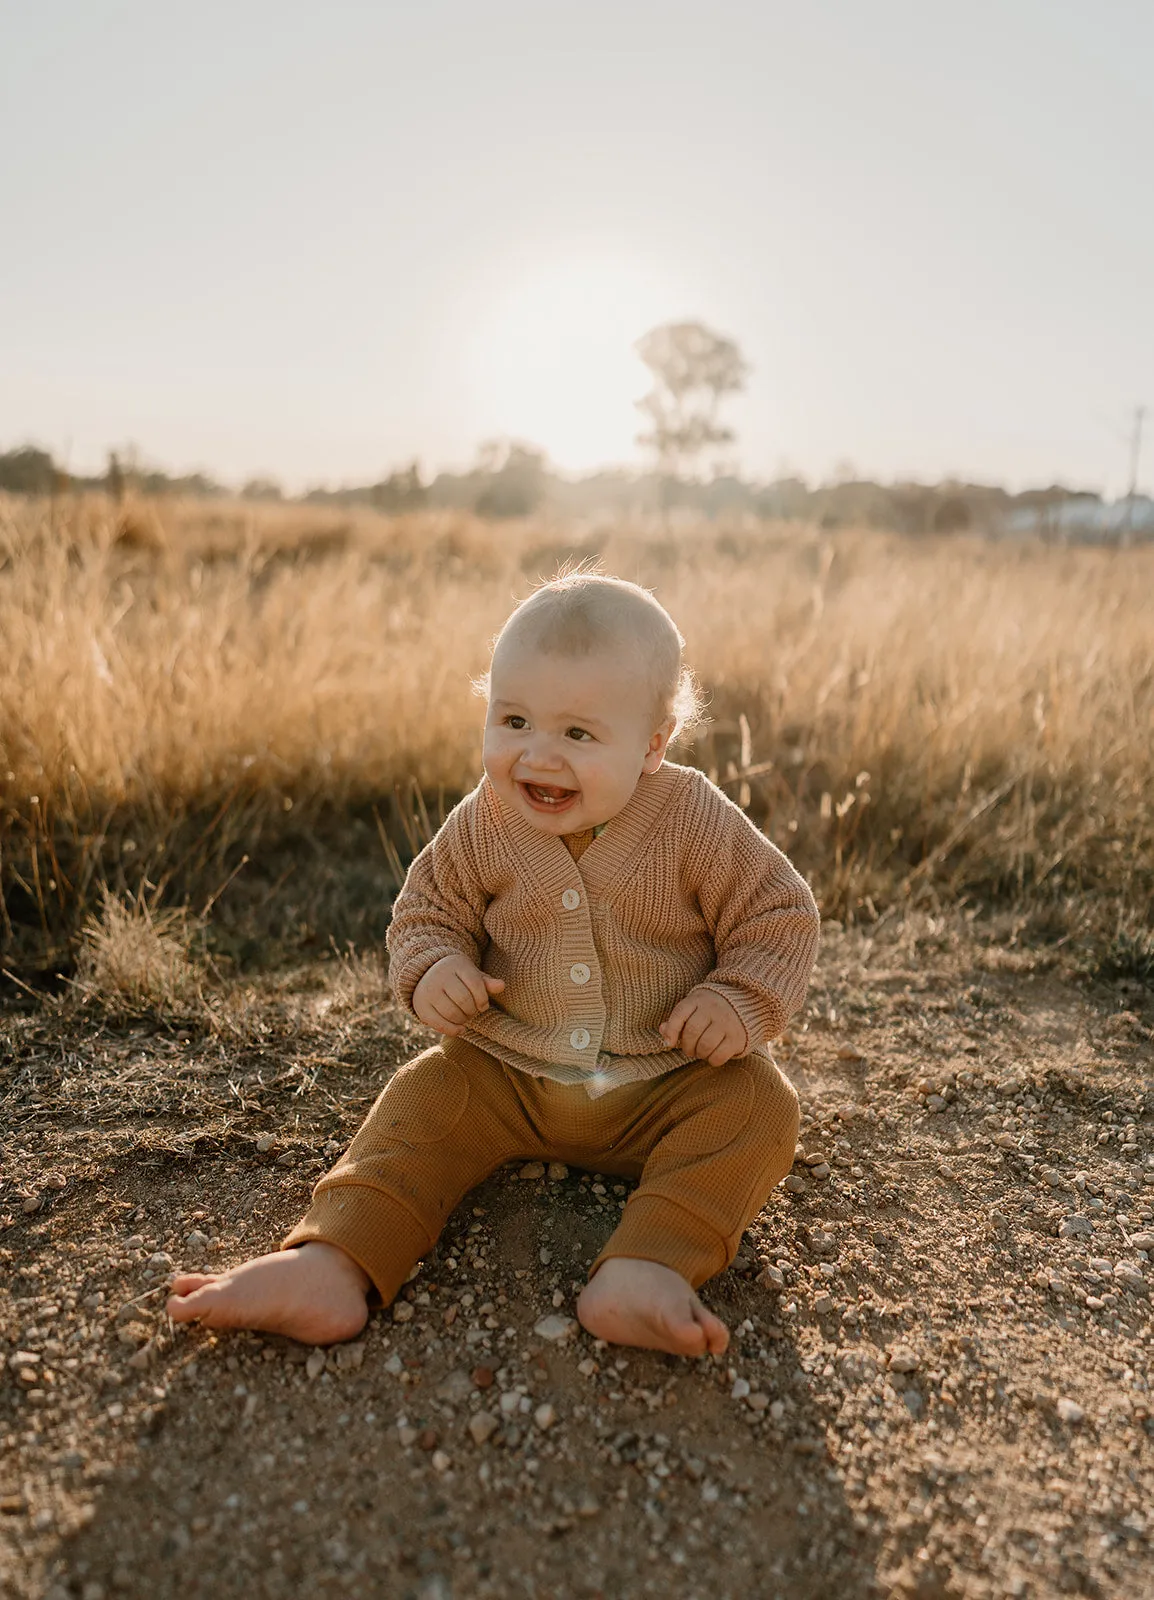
{"x": 443, "y": 1123}
{"x": 715, "y": 1141}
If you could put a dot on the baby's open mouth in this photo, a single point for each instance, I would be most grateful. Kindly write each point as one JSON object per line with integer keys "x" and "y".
{"x": 548, "y": 796}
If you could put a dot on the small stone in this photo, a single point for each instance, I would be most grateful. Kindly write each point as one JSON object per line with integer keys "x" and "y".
{"x": 132, "y": 1335}
{"x": 348, "y": 1357}
{"x": 483, "y": 1425}
{"x": 740, "y": 1389}
{"x": 815, "y": 1158}
{"x": 587, "y": 1368}
{"x": 531, "y": 1170}
{"x": 545, "y": 1416}
{"x": 510, "y": 1403}
{"x": 265, "y": 1142}
{"x": 554, "y": 1328}
{"x": 441, "y": 1462}
{"x": 1142, "y": 1241}
{"x": 403, "y": 1311}
{"x": 935, "y": 1102}
{"x": 483, "y": 1377}
{"x": 197, "y": 1240}
{"x": 33, "y": 1203}
{"x": 544, "y": 1256}
{"x": 1069, "y": 1410}
{"x": 794, "y": 1184}
{"x": 429, "y": 1439}
{"x": 823, "y": 1305}
{"x": 757, "y": 1402}
{"x": 902, "y": 1359}
{"x": 913, "y": 1402}
{"x": 820, "y": 1172}
{"x": 556, "y": 1170}
{"x": 161, "y": 1261}
{"x": 1053, "y": 1177}
{"x": 1005, "y": 1141}
{"x": 286, "y": 1160}
{"x": 143, "y": 1357}
{"x": 315, "y": 1364}
{"x": 587, "y": 1506}
{"x": 771, "y": 1277}
{"x": 456, "y": 1387}
{"x": 849, "y": 1052}
{"x": 407, "y": 1435}
{"x": 1076, "y": 1227}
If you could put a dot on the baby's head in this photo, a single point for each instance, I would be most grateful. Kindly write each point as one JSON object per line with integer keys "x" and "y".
{"x": 586, "y": 689}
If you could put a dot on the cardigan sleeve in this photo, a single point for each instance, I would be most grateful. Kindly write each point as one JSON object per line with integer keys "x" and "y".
{"x": 762, "y": 915}
{"x": 440, "y": 910}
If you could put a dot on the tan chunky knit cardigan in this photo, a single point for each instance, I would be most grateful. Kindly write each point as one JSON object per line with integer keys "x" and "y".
{"x": 679, "y": 890}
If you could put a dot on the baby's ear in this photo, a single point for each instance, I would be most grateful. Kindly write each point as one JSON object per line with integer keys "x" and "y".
{"x": 658, "y": 744}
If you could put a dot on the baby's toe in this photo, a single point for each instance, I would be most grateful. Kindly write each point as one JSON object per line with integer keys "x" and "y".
{"x": 186, "y": 1282}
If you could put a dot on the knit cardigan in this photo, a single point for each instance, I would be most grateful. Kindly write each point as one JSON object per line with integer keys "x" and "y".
{"x": 679, "y": 890}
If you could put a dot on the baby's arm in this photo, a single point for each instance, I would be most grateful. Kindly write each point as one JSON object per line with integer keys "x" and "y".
{"x": 437, "y": 934}
{"x": 765, "y": 928}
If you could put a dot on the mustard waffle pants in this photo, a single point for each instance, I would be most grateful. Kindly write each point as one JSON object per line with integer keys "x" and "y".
{"x": 708, "y": 1144}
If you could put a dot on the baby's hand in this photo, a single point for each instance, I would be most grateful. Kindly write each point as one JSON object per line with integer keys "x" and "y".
{"x": 451, "y": 992}
{"x": 706, "y": 1027}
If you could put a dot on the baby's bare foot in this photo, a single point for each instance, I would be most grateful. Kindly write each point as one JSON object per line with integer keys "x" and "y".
{"x": 642, "y": 1303}
{"x": 315, "y": 1293}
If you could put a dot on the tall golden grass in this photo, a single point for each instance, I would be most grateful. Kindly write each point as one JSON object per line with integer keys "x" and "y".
{"x": 185, "y": 684}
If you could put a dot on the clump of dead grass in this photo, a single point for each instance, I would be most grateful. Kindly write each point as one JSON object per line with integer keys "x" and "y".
{"x": 135, "y": 959}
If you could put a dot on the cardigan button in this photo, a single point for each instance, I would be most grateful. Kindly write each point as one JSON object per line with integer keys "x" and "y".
{"x": 579, "y": 1038}
{"x": 570, "y": 899}
{"x": 579, "y": 972}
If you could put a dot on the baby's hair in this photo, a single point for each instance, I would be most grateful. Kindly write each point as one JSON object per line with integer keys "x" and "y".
{"x": 582, "y": 609}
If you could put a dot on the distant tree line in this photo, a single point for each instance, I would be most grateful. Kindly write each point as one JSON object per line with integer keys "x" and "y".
{"x": 511, "y": 479}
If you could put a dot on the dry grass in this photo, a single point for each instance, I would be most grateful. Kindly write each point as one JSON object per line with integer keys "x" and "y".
{"x": 181, "y": 686}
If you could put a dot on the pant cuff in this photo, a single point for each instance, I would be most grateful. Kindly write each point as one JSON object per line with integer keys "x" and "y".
{"x": 655, "y": 1229}
{"x": 382, "y": 1236}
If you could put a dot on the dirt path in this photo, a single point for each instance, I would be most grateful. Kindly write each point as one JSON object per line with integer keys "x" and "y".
{"x": 939, "y": 1377}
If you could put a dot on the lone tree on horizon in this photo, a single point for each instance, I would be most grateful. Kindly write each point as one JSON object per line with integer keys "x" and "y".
{"x": 693, "y": 370}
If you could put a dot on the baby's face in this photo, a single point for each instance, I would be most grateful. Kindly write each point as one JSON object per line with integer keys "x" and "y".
{"x": 567, "y": 739}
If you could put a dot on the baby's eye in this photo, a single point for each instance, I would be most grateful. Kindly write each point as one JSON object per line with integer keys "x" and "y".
{"x": 578, "y": 733}
{"x": 515, "y": 722}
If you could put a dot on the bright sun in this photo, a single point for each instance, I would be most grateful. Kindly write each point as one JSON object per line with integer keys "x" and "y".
{"x": 555, "y": 364}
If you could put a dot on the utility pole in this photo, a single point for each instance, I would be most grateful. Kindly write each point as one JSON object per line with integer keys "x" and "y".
{"x": 1135, "y": 460}
{"x": 1136, "y": 448}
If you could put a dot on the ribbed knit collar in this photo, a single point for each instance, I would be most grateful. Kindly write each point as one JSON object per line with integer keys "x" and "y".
{"x": 604, "y": 865}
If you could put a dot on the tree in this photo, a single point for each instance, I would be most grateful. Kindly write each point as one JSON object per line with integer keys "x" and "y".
{"x": 693, "y": 370}
{"x": 513, "y": 478}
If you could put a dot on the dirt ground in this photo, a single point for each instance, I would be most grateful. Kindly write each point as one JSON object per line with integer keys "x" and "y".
{"x": 938, "y": 1385}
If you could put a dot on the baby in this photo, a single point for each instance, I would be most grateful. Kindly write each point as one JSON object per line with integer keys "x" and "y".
{"x": 605, "y": 944}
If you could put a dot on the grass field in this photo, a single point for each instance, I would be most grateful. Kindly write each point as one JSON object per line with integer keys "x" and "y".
{"x": 184, "y": 686}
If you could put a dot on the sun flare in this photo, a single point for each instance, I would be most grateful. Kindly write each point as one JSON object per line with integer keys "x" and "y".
{"x": 555, "y": 364}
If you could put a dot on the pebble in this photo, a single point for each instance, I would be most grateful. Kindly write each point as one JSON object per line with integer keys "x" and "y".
{"x": 1076, "y": 1227}
{"x": 348, "y": 1357}
{"x": 740, "y": 1389}
{"x": 823, "y": 1305}
{"x": 403, "y": 1311}
{"x": 545, "y": 1416}
{"x": 794, "y": 1184}
{"x": 441, "y": 1462}
{"x": 1005, "y": 1141}
{"x": 407, "y": 1435}
{"x": 849, "y": 1052}
{"x": 483, "y": 1425}
{"x": 315, "y": 1364}
{"x": 902, "y": 1359}
{"x": 532, "y": 1169}
{"x": 483, "y": 1377}
{"x": 33, "y": 1203}
{"x": 935, "y": 1102}
{"x": 1142, "y": 1241}
{"x": 820, "y": 1172}
{"x": 554, "y": 1328}
{"x": 197, "y": 1240}
{"x": 815, "y": 1158}
{"x": 557, "y": 1170}
{"x": 265, "y": 1142}
{"x": 1069, "y": 1410}
{"x": 456, "y": 1387}
{"x": 757, "y": 1402}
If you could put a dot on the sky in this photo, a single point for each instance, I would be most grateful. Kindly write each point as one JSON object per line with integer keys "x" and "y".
{"x": 316, "y": 241}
